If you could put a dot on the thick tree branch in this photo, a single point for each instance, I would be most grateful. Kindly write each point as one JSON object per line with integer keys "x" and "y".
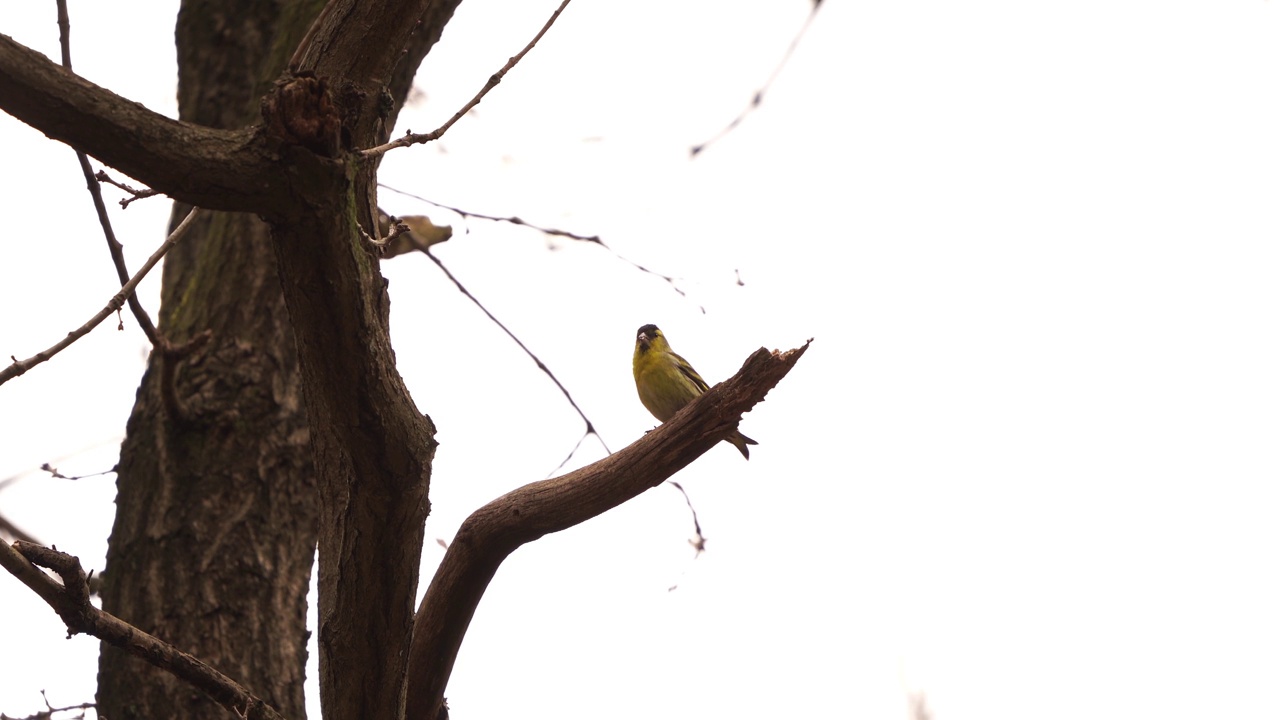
{"x": 358, "y": 45}
{"x": 373, "y": 452}
{"x": 215, "y": 169}
{"x": 494, "y": 531}
{"x": 70, "y": 599}
{"x": 373, "y": 449}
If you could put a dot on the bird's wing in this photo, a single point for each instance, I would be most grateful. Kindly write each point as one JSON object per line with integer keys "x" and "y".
{"x": 687, "y": 370}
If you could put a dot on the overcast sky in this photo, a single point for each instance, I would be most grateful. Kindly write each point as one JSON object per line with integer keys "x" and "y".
{"x": 1028, "y": 466}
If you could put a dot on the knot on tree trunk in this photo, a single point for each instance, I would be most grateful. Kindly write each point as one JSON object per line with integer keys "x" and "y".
{"x": 300, "y": 111}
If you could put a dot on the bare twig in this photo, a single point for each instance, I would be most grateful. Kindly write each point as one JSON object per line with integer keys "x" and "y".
{"x": 70, "y": 599}
{"x": 569, "y": 457}
{"x": 64, "y": 33}
{"x": 496, "y": 218}
{"x": 669, "y": 280}
{"x": 758, "y": 98}
{"x": 137, "y": 194}
{"x": 591, "y": 429}
{"x": 6, "y": 482}
{"x": 95, "y": 190}
{"x": 54, "y": 472}
{"x": 20, "y": 367}
{"x": 414, "y": 139}
{"x": 116, "y": 249}
{"x": 7, "y": 527}
{"x": 422, "y": 233}
{"x": 50, "y": 710}
{"x": 513, "y": 220}
{"x": 170, "y": 354}
{"x": 380, "y": 244}
{"x": 699, "y": 541}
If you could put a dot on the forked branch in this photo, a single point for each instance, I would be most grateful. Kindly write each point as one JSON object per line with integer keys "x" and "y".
{"x": 70, "y": 599}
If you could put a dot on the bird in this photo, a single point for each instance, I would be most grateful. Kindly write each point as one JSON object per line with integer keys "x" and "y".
{"x": 667, "y": 382}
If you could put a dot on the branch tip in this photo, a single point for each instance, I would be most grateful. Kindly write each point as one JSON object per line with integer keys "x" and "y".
{"x": 412, "y": 139}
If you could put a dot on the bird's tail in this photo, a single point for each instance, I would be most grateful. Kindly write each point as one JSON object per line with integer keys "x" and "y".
{"x": 741, "y": 442}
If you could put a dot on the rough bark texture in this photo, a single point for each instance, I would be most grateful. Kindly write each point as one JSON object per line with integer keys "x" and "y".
{"x": 373, "y": 448}
{"x": 218, "y": 505}
{"x": 215, "y": 530}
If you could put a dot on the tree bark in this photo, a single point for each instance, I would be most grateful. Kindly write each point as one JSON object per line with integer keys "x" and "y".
{"x": 219, "y": 501}
{"x": 216, "y": 519}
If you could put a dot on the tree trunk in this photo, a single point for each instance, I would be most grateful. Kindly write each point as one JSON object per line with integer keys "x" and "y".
{"x": 220, "y": 505}
{"x": 216, "y": 521}
{"x": 217, "y": 506}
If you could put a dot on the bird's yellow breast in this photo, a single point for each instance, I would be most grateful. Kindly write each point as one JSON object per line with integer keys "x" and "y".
{"x": 663, "y": 387}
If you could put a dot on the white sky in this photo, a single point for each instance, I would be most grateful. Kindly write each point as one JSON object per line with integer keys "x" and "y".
{"x": 1028, "y": 465}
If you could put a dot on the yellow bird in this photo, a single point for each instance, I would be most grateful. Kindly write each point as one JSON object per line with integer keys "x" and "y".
{"x": 667, "y": 382}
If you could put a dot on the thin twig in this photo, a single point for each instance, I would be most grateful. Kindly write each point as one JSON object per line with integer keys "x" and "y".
{"x": 170, "y": 354}
{"x": 699, "y": 542}
{"x": 50, "y": 710}
{"x": 54, "y": 472}
{"x": 513, "y": 220}
{"x": 64, "y": 33}
{"x": 496, "y": 218}
{"x": 758, "y": 98}
{"x": 591, "y": 429}
{"x": 137, "y": 194}
{"x": 380, "y": 244}
{"x": 422, "y": 233}
{"x": 70, "y": 599}
{"x": 95, "y": 190}
{"x": 116, "y": 249}
{"x": 572, "y": 452}
{"x": 20, "y": 367}
{"x": 494, "y": 79}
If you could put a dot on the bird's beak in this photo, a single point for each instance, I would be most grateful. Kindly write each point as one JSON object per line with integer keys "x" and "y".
{"x": 643, "y": 339}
